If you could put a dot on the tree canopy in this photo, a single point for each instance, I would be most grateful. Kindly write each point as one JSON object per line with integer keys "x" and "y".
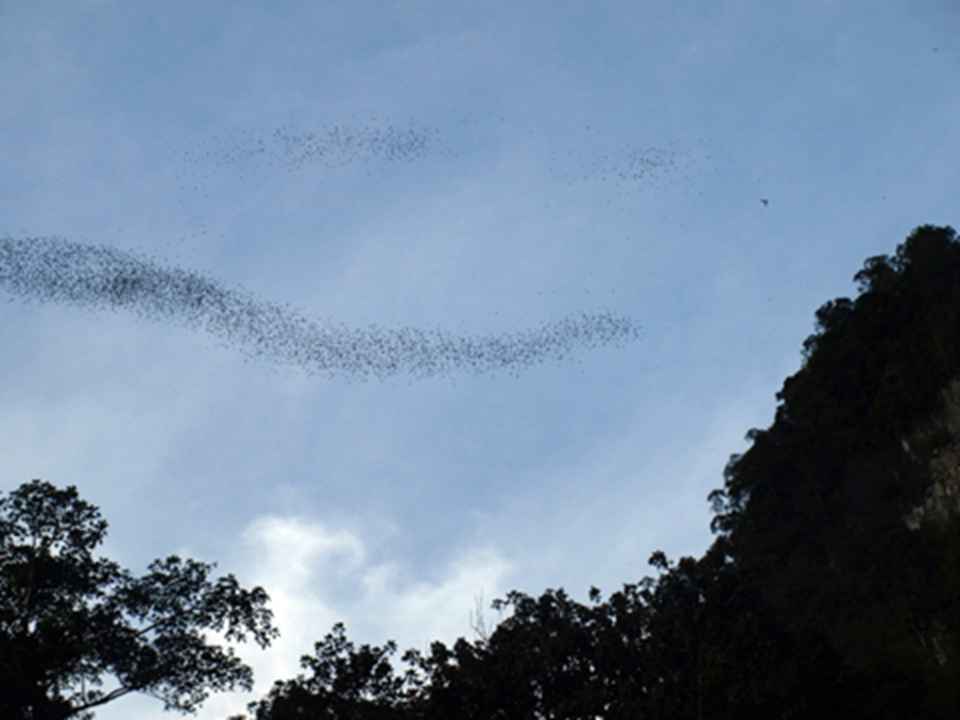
{"x": 816, "y": 597}
{"x": 832, "y": 587}
{"x": 70, "y": 619}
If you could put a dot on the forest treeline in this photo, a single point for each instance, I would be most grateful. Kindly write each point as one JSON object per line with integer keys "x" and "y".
{"x": 832, "y": 587}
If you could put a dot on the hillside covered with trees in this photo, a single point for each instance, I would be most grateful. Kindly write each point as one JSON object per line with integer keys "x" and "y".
{"x": 832, "y": 587}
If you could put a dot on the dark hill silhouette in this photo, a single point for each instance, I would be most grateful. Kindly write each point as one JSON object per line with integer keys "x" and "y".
{"x": 832, "y": 588}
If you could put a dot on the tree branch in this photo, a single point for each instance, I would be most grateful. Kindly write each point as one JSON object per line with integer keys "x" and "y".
{"x": 109, "y": 697}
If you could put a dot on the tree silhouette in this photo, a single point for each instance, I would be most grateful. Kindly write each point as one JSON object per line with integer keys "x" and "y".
{"x": 814, "y": 510}
{"x": 832, "y": 587}
{"x": 68, "y": 618}
{"x": 822, "y": 594}
{"x": 345, "y": 683}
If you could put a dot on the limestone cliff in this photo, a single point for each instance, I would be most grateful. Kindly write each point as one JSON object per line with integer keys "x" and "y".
{"x": 941, "y": 436}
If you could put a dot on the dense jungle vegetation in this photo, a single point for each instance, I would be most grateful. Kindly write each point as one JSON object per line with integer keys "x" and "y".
{"x": 832, "y": 588}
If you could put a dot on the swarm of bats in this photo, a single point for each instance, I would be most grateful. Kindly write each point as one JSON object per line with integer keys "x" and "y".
{"x": 54, "y": 269}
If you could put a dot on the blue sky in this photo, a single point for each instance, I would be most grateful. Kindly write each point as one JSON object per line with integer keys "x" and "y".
{"x": 393, "y": 505}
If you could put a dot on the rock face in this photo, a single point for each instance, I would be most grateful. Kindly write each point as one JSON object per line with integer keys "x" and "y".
{"x": 943, "y": 497}
{"x": 942, "y": 435}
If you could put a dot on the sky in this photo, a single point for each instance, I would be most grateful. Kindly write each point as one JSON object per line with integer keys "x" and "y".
{"x": 560, "y": 205}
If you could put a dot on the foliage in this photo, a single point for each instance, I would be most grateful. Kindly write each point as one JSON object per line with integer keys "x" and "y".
{"x": 346, "y": 682}
{"x": 69, "y": 618}
{"x": 816, "y": 598}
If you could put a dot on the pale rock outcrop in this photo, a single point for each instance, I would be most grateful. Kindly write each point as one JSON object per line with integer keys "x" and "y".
{"x": 943, "y": 497}
{"x": 942, "y": 501}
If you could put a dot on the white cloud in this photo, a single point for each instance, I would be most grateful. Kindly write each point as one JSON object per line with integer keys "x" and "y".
{"x": 316, "y": 576}
{"x": 434, "y": 611}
